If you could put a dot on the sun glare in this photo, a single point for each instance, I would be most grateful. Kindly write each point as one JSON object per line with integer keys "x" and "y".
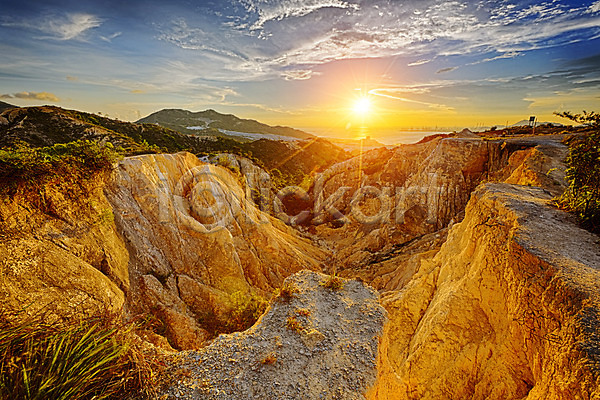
{"x": 362, "y": 106}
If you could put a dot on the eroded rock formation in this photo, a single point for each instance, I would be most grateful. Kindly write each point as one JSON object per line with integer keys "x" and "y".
{"x": 177, "y": 240}
{"x": 62, "y": 256}
{"x": 195, "y": 239}
{"x": 502, "y": 311}
{"x": 498, "y": 300}
{"x": 320, "y": 343}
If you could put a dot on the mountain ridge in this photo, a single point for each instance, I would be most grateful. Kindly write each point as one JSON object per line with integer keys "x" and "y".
{"x": 213, "y": 123}
{"x": 50, "y": 125}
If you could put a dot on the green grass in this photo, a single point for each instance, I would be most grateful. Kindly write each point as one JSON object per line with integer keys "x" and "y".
{"x": 246, "y": 310}
{"x": 582, "y": 197}
{"x": 92, "y": 358}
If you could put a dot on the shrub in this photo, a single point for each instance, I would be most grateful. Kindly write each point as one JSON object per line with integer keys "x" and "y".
{"x": 269, "y": 359}
{"x": 333, "y": 282}
{"x": 88, "y": 359}
{"x": 582, "y": 197}
{"x": 294, "y": 324}
{"x": 246, "y": 309}
{"x": 303, "y": 312}
{"x": 286, "y": 292}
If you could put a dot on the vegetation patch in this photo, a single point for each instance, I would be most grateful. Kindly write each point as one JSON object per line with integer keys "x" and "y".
{"x": 269, "y": 359}
{"x": 28, "y": 169}
{"x": 288, "y": 291}
{"x": 92, "y": 358}
{"x": 582, "y": 197}
{"x": 294, "y": 324}
{"x": 245, "y": 310}
{"x": 333, "y": 282}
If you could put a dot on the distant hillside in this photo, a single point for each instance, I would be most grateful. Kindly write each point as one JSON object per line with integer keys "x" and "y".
{"x": 213, "y": 123}
{"x": 525, "y": 122}
{"x": 49, "y": 125}
{"x": 6, "y": 106}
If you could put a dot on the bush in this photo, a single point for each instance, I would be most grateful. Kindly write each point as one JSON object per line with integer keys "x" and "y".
{"x": 294, "y": 324}
{"x": 582, "y": 197}
{"x": 288, "y": 291}
{"x": 87, "y": 359}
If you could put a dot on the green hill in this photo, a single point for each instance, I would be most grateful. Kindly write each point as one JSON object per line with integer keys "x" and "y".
{"x": 50, "y": 125}
{"x": 213, "y": 123}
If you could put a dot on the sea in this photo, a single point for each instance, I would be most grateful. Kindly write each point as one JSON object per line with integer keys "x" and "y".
{"x": 404, "y": 137}
{"x": 389, "y": 138}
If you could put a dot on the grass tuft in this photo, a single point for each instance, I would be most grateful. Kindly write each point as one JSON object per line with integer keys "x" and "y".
{"x": 333, "y": 282}
{"x": 243, "y": 311}
{"x": 269, "y": 359}
{"x": 288, "y": 291}
{"x": 93, "y": 358}
{"x": 294, "y": 324}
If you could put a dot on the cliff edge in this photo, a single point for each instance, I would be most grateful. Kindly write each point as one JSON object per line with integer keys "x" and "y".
{"x": 508, "y": 308}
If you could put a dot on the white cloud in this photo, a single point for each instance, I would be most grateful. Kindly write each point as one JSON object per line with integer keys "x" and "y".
{"x": 594, "y": 7}
{"x": 418, "y": 62}
{"x": 193, "y": 38}
{"x": 276, "y": 10}
{"x": 72, "y": 26}
{"x": 268, "y": 43}
{"x": 111, "y": 37}
{"x": 298, "y": 75}
{"x": 399, "y": 93}
{"x": 32, "y": 96}
{"x": 508, "y": 55}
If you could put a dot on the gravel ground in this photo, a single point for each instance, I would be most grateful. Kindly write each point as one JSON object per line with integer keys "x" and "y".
{"x": 319, "y": 344}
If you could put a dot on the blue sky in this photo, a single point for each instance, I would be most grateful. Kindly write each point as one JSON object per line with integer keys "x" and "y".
{"x": 303, "y": 62}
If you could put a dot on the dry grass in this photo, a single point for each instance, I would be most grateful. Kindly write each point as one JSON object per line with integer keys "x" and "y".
{"x": 269, "y": 359}
{"x": 295, "y": 325}
{"x": 287, "y": 292}
{"x": 333, "y": 282}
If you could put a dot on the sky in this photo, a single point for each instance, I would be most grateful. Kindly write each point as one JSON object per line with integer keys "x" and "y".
{"x": 424, "y": 64}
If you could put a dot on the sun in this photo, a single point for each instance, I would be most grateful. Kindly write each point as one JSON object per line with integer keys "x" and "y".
{"x": 362, "y": 106}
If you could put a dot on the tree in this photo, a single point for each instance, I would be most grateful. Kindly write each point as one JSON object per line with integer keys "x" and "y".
{"x": 591, "y": 118}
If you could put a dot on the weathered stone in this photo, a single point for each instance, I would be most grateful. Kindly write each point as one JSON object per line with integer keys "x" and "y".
{"x": 191, "y": 221}
{"x": 500, "y": 312}
{"x": 67, "y": 260}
